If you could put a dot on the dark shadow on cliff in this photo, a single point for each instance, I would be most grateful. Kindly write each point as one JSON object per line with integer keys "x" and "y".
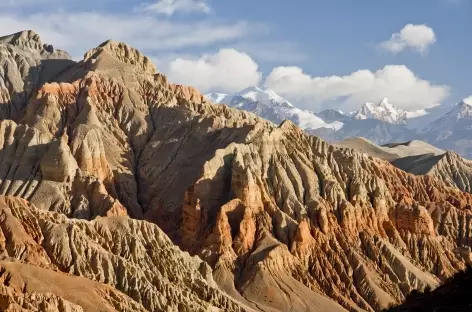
{"x": 455, "y": 295}
{"x": 47, "y": 71}
{"x": 173, "y": 161}
{"x": 169, "y": 162}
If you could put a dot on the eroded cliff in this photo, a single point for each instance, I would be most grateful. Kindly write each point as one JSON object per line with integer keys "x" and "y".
{"x": 109, "y": 264}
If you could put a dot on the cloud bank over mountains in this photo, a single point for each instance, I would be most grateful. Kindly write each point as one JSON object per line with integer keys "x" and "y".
{"x": 230, "y": 71}
{"x": 226, "y": 71}
{"x": 396, "y": 82}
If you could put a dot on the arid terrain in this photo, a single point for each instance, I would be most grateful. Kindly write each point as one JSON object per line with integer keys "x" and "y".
{"x": 124, "y": 192}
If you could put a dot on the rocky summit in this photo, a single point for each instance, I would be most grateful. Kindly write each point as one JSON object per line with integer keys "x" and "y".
{"x": 124, "y": 192}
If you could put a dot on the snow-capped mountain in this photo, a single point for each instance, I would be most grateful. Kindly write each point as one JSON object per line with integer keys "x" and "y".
{"x": 332, "y": 115}
{"x": 387, "y": 112}
{"x": 268, "y": 105}
{"x": 453, "y": 131}
{"x": 447, "y": 127}
{"x": 216, "y": 97}
{"x": 444, "y": 126}
{"x": 462, "y": 110}
{"x": 459, "y": 115}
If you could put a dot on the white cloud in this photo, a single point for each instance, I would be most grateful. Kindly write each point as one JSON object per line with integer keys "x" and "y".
{"x": 78, "y": 32}
{"x": 226, "y": 71}
{"x": 396, "y": 82}
{"x": 170, "y": 7}
{"x": 468, "y": 100}
{"x": 414, "y": 37}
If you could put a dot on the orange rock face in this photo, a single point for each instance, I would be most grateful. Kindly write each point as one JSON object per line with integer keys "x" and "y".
{"x": 358, "y": 230}
{"x": 51, "y": 263}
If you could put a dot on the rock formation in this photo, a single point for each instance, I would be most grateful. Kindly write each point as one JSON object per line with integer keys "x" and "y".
{"x": 49, "y": 262}
{"x": 25, "y": 65}
{"x": 419, "y": 158}
{"x": 339, "y": 222}
{"x": 392, "y": 151}
{"x": 286, "y": 221}
{"x": 449, "y": 167}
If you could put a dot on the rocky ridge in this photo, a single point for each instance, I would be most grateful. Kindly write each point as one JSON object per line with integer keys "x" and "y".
{"x": 449, "y": 167}
{"x": 25, "y": 65}
{"x": 337, "y": 220}
{"x": 286, "y": 221}
{"x": 109, "y": 264}
{"x": 419, "y": 158}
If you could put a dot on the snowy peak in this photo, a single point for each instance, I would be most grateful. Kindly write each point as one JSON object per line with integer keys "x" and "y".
{"x": 458, "y": 111}
{"x": 467, "y": 101}
{"x": 331, "y": 115}
{"x": 267, "y": 96}
{"x": 387, "y": 112}
{"x": 251, "y": 94}
{"x": 271, "y": 106}
{"x": 463, "y": 109}
{"x": 383, "y": 111}
{"x": 217, "y": 98}
{"x": 457, "y": 119}
{"x": 386, "y": 105}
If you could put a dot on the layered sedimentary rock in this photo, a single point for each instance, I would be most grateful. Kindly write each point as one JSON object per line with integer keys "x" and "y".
{"x": 49, "y": 263}
{"x": 339, "y": 222}
{"x": 286, "y": 221}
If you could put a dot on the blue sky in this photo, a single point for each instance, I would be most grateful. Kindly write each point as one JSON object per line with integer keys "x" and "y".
{"x": 317, "y": 54}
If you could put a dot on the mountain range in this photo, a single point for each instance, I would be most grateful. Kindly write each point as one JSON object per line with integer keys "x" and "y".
{"x": 267, "y": 104}
{"x": 122, "y": 191}
{"x": 387, "y": 112}
{"x": 447, "y": 127}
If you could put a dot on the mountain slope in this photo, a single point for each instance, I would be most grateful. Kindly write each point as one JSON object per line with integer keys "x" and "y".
{"x": 379, "y": 132}
{"x": 413, "y": 148}
{"x": 331, "y": 115}
{"x": 307, "y": 222}
{"x": 449, "y": 167}
{"x": 394, "y": 152}
{"x": 368, "y": 147}
{"x": 286, "y": 221}
{"x": 452, "y": 131}
{"x": 419, "y": 158}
